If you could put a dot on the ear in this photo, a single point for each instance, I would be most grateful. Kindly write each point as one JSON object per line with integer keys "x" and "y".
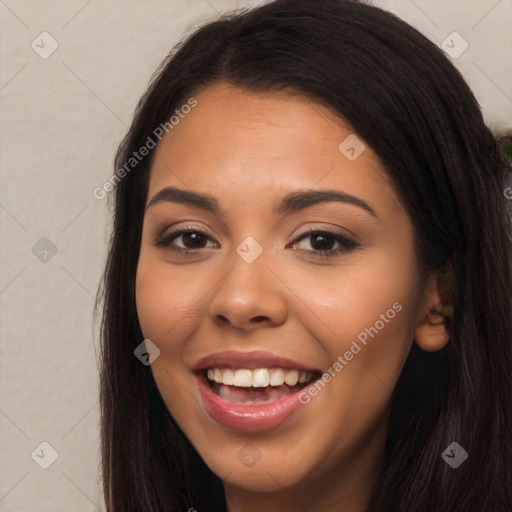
{"x": 433, "y": 327}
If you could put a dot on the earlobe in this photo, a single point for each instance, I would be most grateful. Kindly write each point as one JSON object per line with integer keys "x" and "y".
{"x": 433, "y": 328}
{"x": 433, "y": 333}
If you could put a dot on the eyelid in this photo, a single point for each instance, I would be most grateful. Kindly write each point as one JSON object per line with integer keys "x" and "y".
{"x": 331, "y": 231}
{"x": 173, "y": 230}
{"x": 346, "y": 243}
{"x": 165, "y": 239}
{"x": 342, "y": 232}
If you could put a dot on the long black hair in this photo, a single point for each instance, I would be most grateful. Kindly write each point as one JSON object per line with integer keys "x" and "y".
{"x": 406, "y": 100}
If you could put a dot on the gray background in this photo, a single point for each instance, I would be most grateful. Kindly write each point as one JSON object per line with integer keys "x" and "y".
{"x": 62, "y": 119}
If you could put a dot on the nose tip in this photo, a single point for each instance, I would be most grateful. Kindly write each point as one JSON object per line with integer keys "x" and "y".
{"x": 248, "y": 297}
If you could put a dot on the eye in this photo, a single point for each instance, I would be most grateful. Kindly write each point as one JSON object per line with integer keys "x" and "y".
{"x": 323, "y": 243}
{"x": 328, "y": 243}
{"x": 191, "y": 240}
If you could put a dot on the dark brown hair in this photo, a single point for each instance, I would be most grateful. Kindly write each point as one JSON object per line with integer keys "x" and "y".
{"x": 405, "y": 99}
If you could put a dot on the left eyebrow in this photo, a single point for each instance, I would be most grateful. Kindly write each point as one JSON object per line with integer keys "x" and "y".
{"x": 291, "y": 202}
{"x": 303, "y": 198}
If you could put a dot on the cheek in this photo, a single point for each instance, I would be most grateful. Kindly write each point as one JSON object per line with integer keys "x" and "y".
{"x": 167, "y": 308}
{"x": 372, "y": 290}
{"x": 363, "y": 316}
{"x": 166, "y": 300}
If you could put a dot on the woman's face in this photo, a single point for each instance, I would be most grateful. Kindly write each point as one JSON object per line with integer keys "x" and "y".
{"x": 272, "y": 267}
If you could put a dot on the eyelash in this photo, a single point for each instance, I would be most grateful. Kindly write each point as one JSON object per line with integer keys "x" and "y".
{"x": 346, "y": 244}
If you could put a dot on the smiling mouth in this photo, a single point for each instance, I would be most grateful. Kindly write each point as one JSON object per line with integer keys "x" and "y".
{"x": 261, "y": 385}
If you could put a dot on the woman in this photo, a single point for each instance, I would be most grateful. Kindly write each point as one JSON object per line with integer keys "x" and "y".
{"x": 310, "y": 259}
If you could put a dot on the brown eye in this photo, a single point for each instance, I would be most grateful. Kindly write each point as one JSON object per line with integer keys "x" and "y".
{"x": 322, "y": 243}
{"x": 191, "y": 240}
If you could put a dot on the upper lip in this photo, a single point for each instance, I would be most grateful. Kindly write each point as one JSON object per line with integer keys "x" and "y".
{"x": 249, "y": 360}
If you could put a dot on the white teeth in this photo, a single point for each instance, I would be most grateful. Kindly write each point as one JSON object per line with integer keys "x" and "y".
{"x": 242, "y": 378}
{"x": 217, "y": 375}
{"x": 292, "y": 377}
{"x": 277, "y": 378}
{"x": 227, "y": 377}
{"x": 258, "y": 378}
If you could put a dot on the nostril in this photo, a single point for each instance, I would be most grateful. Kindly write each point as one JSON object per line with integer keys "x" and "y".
{"x": 222, "y": 320}
{"x": 258, "y": 319}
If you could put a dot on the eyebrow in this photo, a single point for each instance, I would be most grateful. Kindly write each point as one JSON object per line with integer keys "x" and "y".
{"x": 296, "y": 200}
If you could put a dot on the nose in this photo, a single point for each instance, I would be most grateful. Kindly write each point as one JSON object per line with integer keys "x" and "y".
{"x": 249, "y": 296}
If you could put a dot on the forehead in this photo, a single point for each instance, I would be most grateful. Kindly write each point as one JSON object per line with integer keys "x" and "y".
{"x": 236, "y": 141}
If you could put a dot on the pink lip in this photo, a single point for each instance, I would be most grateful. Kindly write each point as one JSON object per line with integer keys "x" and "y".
{"x": 249, "y": 360}
{"x": 248, "y": 418}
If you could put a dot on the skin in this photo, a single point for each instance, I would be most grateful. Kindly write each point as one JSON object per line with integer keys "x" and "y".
{"x": 248, "y": 150}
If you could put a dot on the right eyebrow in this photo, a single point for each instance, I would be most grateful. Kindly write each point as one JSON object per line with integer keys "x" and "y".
{"x": 176, "y": 195}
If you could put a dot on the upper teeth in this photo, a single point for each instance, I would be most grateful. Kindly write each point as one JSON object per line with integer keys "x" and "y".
{"x": 258, "y": 378}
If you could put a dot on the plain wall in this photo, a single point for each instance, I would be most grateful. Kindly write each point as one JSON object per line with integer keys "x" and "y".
{"x": 62, "y": 119}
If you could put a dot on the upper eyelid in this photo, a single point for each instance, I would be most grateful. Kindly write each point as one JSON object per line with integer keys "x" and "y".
{"x": 176, "y": 233}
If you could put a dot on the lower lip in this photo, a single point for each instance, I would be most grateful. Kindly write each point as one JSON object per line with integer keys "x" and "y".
{"x": 248, "y": 418}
